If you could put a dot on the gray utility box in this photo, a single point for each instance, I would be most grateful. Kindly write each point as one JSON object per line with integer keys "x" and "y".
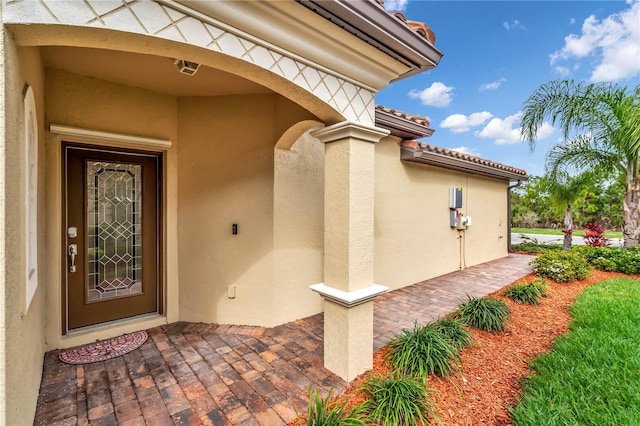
{"x": 455, "y": 197}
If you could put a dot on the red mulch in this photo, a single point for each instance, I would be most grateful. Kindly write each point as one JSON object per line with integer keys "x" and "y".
{"x": 488, "y": 380}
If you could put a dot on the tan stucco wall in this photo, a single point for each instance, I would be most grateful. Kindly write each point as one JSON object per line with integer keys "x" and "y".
{"x": 3, "y": 279}
{"x": 89, "y": 103}
{"x": 24, "y": 331}
{"x": 226, "y": 176}
{"x": 298, "y": 228}
{"x": 413, "y": 239}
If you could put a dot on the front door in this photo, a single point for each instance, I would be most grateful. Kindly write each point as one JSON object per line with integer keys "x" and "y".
{"x": 111, "y": 265}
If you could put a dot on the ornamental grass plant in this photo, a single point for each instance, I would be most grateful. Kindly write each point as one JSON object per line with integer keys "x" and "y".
{"x": 397, "y": 400}
{"x": 486, "y": 313}
{"x": 527, "y": 294}
{"x": 454, "y": 331}
{"x": 420, "y": 351}
{"x": 322, "y": 412}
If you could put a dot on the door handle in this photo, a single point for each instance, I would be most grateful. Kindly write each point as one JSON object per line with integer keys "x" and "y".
{"x": 73, "y": 251}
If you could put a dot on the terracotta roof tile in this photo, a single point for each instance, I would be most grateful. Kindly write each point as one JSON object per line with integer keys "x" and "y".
{"x": 420, "y": 27}
{"x": 426, "y": 148}
{"x": 412, "y": 118}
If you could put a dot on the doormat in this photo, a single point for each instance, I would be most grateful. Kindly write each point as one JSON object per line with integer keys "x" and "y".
{"x": 105, "y": 349}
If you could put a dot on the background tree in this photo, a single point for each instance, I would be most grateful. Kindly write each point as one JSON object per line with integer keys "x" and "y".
{"x": 564, "y": 190}
{"x": 601, "y": 126}
{"x": 599, "y": 201}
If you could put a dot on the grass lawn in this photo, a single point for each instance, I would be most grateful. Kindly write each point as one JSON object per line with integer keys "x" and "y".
{"x": 592, "y": 375}
{"x": 577, "y": 233}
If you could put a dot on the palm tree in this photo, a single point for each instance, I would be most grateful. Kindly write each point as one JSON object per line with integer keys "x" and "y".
{"x": 601, "y": 126}
{"x": 564, "y": 190}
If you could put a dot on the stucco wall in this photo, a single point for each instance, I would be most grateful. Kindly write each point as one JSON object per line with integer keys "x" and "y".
{"x": 413, "y": 239}
{"x": 298, "y": 228}
{"x": 225, "y": 177}
{"x": 89, "y": 103}
{"x": 24, "y": 331}
{"x": 486, "y": 204}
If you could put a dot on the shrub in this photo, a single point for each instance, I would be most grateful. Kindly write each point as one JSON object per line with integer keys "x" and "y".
{"x": 594, "y": 235}
{"x": 324, "y": 413}
{"x": 486, "y": 313}
{"x": 397, "y": 400}
{"x": 524, "y": 293}
{"x": 561, "y": 266}
{"x": 454, "y": 331}
{"x": 535, "y": 248}
{"x": 604, "y": 264}
{"x": 422, "y": 351}
{"x": 616, "y": 259}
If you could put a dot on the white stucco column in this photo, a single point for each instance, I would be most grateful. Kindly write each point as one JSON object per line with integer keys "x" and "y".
{"x": 348, "y": 247}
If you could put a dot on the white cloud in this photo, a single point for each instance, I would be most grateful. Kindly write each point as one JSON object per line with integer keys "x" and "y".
{"x": 395, "y": 5}
{"x": 572, "y": 21}
{"x": 459, "y": 123}
{"x": 613, "y": 41}
{"x": 513, "y": 25}
{"x": 545, "y": 131}
{"x": 438, "y": 95}
{"x": 466, "y": 150}
{"x": 492, "y": 86}
{"x": 504, "y": 132}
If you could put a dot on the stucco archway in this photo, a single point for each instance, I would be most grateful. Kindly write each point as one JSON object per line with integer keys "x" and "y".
{"x": 173, "y": 30}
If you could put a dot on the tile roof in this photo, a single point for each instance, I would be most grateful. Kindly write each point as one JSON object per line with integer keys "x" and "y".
{"x": 420, "y": 27}
{"x": 422, "y": 121}
{"x": 415, "y": 151}
{"x": 402, "y": 125}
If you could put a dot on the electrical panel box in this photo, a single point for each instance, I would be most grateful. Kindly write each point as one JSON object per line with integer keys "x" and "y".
{"x": 455, "y": 197}
{"x": 453, "y": 218}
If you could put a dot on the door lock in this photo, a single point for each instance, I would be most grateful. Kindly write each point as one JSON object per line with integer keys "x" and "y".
{"x": 73, "y": 252}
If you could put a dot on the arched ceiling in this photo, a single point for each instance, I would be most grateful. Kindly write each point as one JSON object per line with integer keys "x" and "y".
{"x": 155, "y": 73}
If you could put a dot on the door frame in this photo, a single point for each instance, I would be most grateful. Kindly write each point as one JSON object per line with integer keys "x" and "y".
{"x": 160, "y": 248}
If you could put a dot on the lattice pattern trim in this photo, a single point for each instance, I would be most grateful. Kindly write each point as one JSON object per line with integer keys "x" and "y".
{"x": 152, "y": 18}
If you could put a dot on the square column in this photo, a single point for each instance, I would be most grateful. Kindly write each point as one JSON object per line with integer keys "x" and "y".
{"x": 348, "y": 247}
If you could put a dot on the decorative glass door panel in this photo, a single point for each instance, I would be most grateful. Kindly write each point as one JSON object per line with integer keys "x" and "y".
{"x": 112, "y": 214}
{"x": 114, "y": 217}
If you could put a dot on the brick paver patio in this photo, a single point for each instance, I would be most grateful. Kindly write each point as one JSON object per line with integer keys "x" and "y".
{"x": 200, "y": 374}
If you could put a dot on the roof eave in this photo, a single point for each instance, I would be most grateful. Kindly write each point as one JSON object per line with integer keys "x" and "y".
{"x": 401, "y": 127}
{"x": 371, "y": 23}
{"x": 452, "y": 163}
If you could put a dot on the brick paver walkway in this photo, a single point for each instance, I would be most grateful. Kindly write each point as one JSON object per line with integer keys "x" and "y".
{"x": 193, "y": 374}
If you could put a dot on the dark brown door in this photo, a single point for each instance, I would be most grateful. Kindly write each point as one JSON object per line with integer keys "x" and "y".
{"x": 111, "y": 234}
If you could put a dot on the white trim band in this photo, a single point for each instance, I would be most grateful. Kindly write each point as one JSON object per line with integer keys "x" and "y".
{"x": 349, "y": 299}
{"x": 109, "y": 136}
{"x": 349, "y": 129}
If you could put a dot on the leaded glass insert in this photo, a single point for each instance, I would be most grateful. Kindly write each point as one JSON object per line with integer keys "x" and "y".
{"x": 114, "y": 217}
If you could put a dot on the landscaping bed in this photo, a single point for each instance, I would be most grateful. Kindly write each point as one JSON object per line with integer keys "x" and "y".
{"x": 487, "y": 379}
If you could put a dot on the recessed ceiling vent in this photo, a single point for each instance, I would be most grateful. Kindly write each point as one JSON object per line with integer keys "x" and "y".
{"x": 186, "y": 67}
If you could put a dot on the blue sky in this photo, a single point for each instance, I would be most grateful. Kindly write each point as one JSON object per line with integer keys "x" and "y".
{"x": 496, "y": 53}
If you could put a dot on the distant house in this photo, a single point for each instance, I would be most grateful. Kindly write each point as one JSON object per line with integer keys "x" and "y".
{"x": 211, "y": 161}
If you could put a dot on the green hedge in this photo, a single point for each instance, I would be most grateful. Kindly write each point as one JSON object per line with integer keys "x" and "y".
{"x": 612, "y": 259}
{"x": 561, "y": 266}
